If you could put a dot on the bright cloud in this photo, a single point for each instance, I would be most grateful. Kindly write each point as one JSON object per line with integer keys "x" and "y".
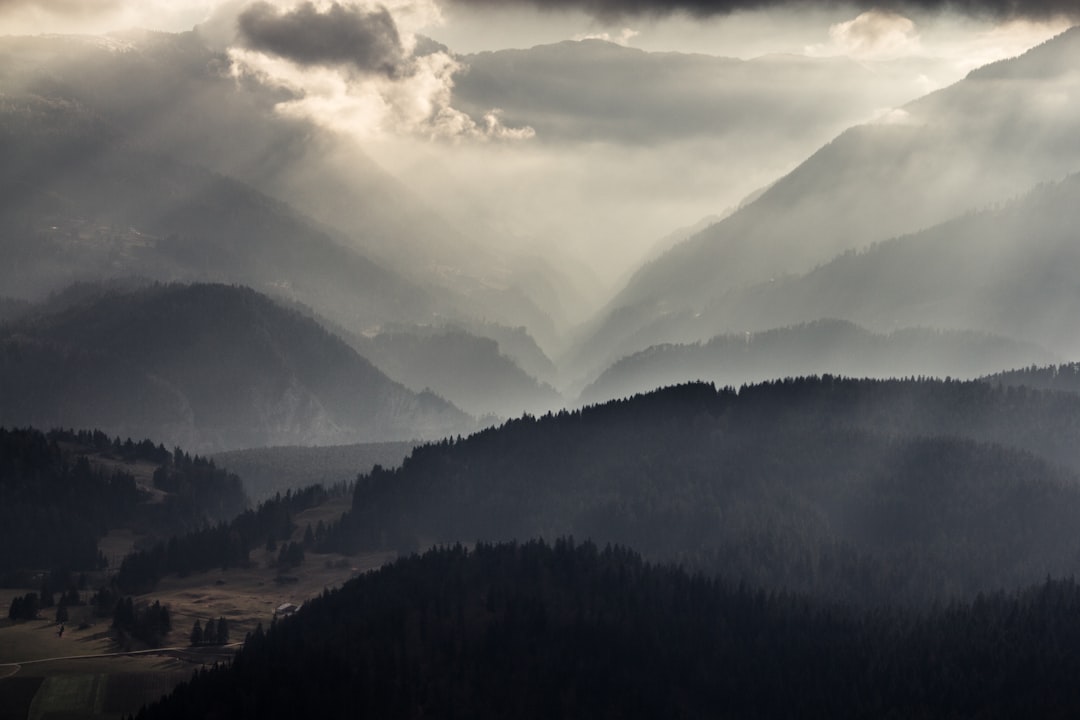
{"x": 369, "y": 82}
{"x": 873, "y": 35}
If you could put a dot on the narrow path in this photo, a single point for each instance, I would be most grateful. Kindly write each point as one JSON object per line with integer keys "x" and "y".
{"x": 188, "y": 651}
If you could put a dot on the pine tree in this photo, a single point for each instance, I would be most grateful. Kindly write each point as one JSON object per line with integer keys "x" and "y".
{"x": 209, "y": 632}
{"x": 197, "y": 634}
{"x": 222, "y": 632}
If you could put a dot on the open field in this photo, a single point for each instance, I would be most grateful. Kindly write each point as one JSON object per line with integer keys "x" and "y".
{"x": 83, "y": 674}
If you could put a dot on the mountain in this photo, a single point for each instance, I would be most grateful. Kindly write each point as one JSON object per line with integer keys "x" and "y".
{"x": 857, "y": 490}
{"x": 824, "y": 346}
{"x": 80, "y": 204}
{"x": 1008, "y": 270}
{"x": 575, "y": 91}
{"x": 170, "y": 98}
{"x": 211, "y": 367}
{"x": 467, "y": 370}
{"x": 983, "y": 140}
{"x": 570, "y": 630}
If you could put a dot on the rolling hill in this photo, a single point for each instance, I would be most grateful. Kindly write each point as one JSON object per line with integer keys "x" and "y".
{"x": 212, "y": 367}
{"x": 859, "y": 490}
{"x": 824, "y": 346}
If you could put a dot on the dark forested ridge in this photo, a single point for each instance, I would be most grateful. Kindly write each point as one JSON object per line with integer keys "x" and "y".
{"x": 61, "y": 491}
{"x": 210, "y": 367}
{"x": 225, "y": 544}
{"x": 568, "y": 631}
{"x": 863, "y": 490}
{"x": 1063, "y": 378}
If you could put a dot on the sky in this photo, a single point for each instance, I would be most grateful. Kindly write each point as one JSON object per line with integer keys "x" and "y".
{"x": 592, "y": 156}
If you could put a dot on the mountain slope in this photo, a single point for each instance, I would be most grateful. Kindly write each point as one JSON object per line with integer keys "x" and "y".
{"x": 232, "y": 368}
{"x": 79, "y": 203}
{"x": 985, "y": 139}
{"x": 868, "y": 491}
{"x": 535, "y": 631}
{"x": 469, "y": 371}
{"x": 171, "y": 96}
{"x": 1009, "y": 271}
{"x": 824, "y": 346}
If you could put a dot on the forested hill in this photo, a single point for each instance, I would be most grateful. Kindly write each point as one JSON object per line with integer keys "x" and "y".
{"x": 834, "y": 346}
{"x": 209, "y": 367}
{"x": 1063, "y": 378}
{"x": 569, "y": 631}
{"x": 62, "y": 491}
{"x": 856, "y": 489}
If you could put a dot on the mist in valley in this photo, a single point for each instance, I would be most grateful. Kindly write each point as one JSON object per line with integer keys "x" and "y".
{"x": 774, "y": 296}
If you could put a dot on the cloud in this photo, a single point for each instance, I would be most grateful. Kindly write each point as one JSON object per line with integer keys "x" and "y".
{"x": 62, "y": 7}
{"x": 614, "y": 9}
{"x": 351, "y": 69}
{"x": 365, "y": 39}
{"x": 874, "y": 35}
{"x": 623, "y": 38}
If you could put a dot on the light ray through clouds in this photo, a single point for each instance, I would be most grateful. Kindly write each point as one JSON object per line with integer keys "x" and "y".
{"x": 389, "y": 75}
{"x": 357, "y": 69}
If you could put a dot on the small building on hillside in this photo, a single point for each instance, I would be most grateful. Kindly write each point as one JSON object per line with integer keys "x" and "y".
{"x": 285, "y": 610}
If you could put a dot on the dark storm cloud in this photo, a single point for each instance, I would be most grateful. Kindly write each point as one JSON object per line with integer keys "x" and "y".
{"x": 368, "y": 40}
{"x": 611, "y": 9}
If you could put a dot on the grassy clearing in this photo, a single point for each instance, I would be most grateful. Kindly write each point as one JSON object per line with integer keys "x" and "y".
{"x": 67, "y": 685}
{"x": 249, "y": 596}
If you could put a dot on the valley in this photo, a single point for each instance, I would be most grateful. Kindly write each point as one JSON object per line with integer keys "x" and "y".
{"x": 445, "y": 359}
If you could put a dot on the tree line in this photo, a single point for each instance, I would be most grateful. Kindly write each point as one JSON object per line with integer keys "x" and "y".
{"x": 571, "y": 630}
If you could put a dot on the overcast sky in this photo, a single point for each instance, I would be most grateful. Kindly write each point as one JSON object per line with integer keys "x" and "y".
{"x": 596, "y": 153}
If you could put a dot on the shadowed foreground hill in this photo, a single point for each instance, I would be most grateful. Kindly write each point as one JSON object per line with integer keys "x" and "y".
{"x": 532, "y": 631}
{"x": 861, "y": 490}
{"x": 211, "y": 367}
{"x": 62, "y": 491}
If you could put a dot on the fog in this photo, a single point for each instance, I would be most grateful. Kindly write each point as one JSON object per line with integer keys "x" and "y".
{"x": 528, "y": 165}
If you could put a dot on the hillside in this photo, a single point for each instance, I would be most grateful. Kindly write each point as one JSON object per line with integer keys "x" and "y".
{"x": 539, "y": 631}
{"x": 826, "y": 346}
{"x": 229, "y": 369}
{"x": 986, "y": 139}
{"x": 1061, "y": 378}
{"x": 61, "y": 492}
{"x": 1007, "y": 270}
{"x": 81, "y": 204}
{"x": 853, "y": 489}
{"x": 469, "y": 371}
{"x": 157, "y": 135}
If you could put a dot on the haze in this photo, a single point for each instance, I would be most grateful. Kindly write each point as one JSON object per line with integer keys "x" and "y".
{"x": 550, "y": 187}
